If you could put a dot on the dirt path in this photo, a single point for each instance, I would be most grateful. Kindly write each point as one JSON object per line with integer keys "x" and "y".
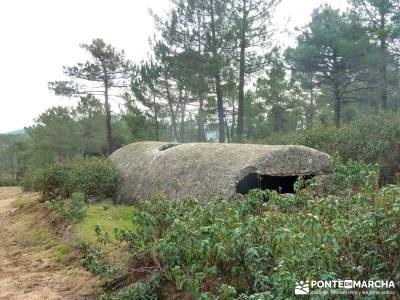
{"x": 26, "y": 272}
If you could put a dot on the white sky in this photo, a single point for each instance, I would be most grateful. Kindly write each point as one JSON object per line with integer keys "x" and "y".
{"x": 38, "y": 37}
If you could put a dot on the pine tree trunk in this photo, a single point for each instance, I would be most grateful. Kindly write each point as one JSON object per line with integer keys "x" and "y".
{"x": 108, "y": 119}
{"x": 227, "y": 129}
{"x": 397, "y": 88}
{"x": 336, "y": 93}
{"x": 242, "y": 65}
{"x": 220, "y": 108}
{"x": 232, "y": 130}
{"x": 217, "y": 76}
{"x": 383, "y": 67}
{"x": 240, "y": 121}
{"x": 183, "y": 101}
{"x": 201, "y": 135}
{"x": 84, "y": 151}
{"x": 311, "y": 105}
{"x": 336, "y": 104}
{"x": 172, "y": 111}
{"x": 156, "y": 119}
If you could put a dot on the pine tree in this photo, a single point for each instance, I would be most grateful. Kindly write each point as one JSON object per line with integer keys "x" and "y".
{"x": 334, "y": 49}
{"x": 251, "y": 20}
{"x": 108, "y": 68}
{"x": 380, "y": 18}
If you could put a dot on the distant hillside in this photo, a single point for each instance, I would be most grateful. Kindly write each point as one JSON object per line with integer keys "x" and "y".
{"x": 9, "y": 138}
{"x": 18, "y": 131}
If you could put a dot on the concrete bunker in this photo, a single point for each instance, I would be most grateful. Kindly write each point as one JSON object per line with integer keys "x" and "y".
{"x": 209, "y": 170}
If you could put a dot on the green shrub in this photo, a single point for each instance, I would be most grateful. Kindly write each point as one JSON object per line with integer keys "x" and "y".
{"x": 96, "y": 178}
{"x": 257, "y": 250}
{"x": 73, "y": 210}
{"x": 52, "y": 182}
{"x": 143, "y": 290}
{"x": 30, "y": 180}
{"x": 354, "y": 176}
{"x": 98, "y": 264}
{"x": 371, "y": 139}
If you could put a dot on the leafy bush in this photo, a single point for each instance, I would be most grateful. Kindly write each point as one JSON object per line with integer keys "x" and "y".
{"x": 98, "y": 264}
{"x": 113, "y": 277}
{"x": 354, "y": 176}
{"x": 73, "y": 210}
{"x": 371, "y": 139}
{"x": 30, "y": 180}
{"x": 143, "y": 290}
{"x": 96, "y": 178}
{"x": 258, "y": 250}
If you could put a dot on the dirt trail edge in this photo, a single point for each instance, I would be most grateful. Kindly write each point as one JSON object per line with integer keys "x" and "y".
{"x": 26, "y": 272}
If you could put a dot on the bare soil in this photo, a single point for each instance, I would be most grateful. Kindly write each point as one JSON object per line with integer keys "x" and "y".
{"x": 27, "y": 268}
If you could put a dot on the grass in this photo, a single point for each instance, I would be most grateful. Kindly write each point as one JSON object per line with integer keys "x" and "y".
{"x": 26, "y": 200}
{"x": 55, "y": 249}
{"x": 108, "y": 217}
{"x": 41, "y": 229}
{"x": 40, "y": 235}
{"x": 62, "y": 253}
{"x": 34, "y": 228}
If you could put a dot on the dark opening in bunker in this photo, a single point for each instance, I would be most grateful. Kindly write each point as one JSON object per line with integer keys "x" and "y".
{"x": 168, "y": 146}
{"x": 281, "y": 184}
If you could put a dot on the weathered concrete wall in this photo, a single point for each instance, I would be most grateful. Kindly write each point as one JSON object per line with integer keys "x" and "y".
{"x": 207, "y": 170}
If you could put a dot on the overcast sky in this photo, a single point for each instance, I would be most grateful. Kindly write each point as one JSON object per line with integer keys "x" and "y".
{"x": 39, "y": 37}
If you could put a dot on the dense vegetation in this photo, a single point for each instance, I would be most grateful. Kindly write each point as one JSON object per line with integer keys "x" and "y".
{"x": 370, "y": 139}
{"x": 96, "y": 178}
{"x": 72, "y": 186}
{"x": 254, "y": 249}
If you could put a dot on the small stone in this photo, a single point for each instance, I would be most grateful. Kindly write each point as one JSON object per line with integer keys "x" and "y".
{"x": 44, "y": 265}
